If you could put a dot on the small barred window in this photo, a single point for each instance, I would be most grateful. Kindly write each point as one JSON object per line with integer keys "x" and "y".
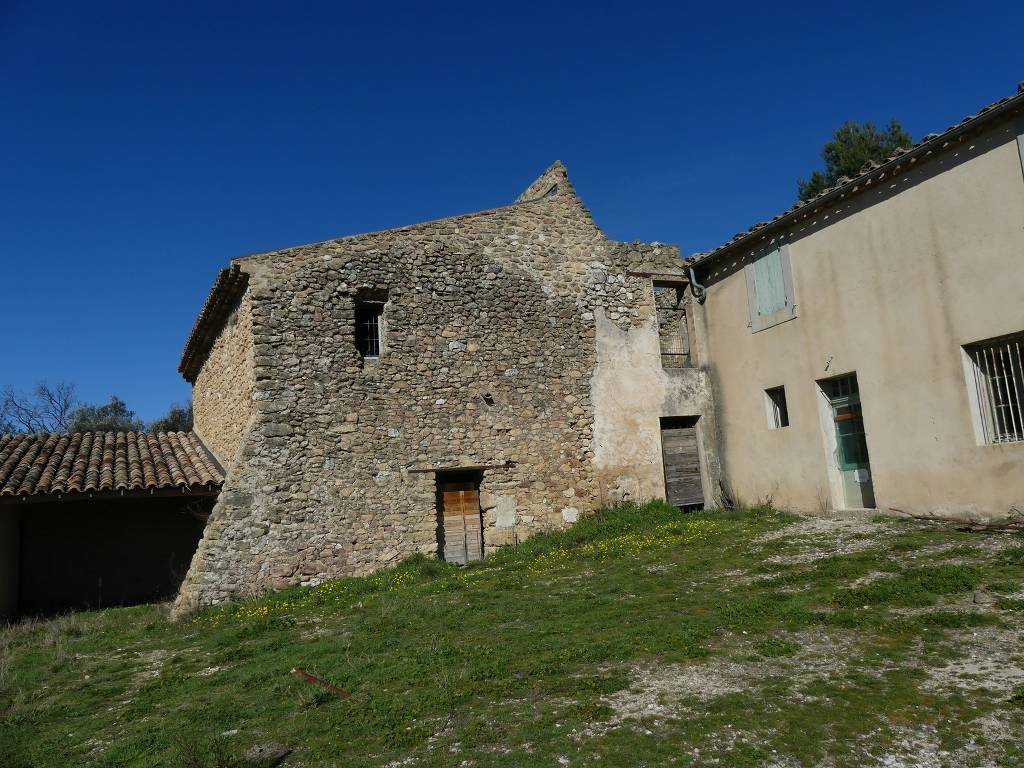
{"x": 369, "y": 315}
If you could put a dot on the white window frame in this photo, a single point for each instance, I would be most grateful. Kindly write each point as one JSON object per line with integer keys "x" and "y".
{"x": 996, "y": 360}
{"x": 377, "y": 309}
{"x": 788, "y": 312}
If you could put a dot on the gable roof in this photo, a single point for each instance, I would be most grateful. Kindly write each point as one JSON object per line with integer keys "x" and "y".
{"x": 231, "y": 282}
{"x": 105, "y": 462}
{"x": 872, "y": 173}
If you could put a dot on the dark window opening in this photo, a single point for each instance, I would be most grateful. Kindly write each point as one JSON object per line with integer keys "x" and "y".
{"x": 778, "y": 413}
{"x": 369, "y": 315}
{"x": 673, "y": 334}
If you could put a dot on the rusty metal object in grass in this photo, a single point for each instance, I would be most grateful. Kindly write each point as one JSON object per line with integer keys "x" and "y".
{"x": 314, "y": 680}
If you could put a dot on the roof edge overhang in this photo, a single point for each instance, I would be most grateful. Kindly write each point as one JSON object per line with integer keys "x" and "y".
{"x": 229, "y": 286}
{"x": 174, "y": 491}
{"x": 931, "y": 145}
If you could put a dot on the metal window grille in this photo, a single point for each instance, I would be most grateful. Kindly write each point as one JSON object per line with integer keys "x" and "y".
{"x": 672, "y": 331}
{"x": 778, "y": 412}
{"x": 999, "y": 384}
{"x": 368, "y": 317}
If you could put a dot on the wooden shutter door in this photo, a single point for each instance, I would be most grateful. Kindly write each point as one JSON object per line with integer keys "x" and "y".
{"x": 771, "y": 289}
{"x": 683, "y": 486}
{"x": 463, "y": 530}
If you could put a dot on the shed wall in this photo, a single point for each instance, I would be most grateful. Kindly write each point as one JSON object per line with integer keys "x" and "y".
{"x": 10, "y": 560}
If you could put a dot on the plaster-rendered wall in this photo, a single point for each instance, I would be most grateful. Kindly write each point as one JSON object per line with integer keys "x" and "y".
{"x": 222, "y": 395}
{"x": 888, "y": 285}
{"x": 632, "y": 391}
{"x": 489, "y": 349}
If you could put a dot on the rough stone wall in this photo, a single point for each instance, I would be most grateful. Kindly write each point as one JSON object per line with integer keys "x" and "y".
{"x": 222, "y": 396}
{"x": 490, "y": 345}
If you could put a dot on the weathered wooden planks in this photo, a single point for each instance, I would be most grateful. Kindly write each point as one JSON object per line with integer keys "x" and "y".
{"x": 463, "y": 531}
{"x": 683, "y": 485}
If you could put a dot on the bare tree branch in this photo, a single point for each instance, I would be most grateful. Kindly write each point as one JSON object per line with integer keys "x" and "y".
{"x": 45, "y": 409}
{"x": 1014, "y": 521}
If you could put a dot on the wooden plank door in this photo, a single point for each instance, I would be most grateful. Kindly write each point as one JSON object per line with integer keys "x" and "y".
{"x": 683, "y": 486}
{"x": 463, "y": 530}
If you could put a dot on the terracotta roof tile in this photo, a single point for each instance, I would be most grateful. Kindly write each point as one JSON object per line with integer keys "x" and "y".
{"x": 38, "y": 465}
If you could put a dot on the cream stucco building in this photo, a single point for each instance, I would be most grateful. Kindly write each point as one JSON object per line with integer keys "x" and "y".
{"x": 865, "y": 348}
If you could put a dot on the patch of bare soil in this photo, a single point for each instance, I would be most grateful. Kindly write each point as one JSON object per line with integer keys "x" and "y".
{"x": 992, "y": 659}
{"x": 922, "y": 747}
{"x": 150, "y": 664}
{"x": 820, "y": 537}
{"x": 664, "y": 691}
{"x": 656, "y": 691}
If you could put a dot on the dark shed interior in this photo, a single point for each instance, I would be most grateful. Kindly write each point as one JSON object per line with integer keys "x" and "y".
{"x": 97, "y": 553}
{"x": 101, "y": 553}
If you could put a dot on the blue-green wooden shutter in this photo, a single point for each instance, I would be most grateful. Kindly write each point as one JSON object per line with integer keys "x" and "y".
{"x": 770, "y": 285}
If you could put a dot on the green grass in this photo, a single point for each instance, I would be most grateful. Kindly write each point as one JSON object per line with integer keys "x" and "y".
{"x": 520, "y": 660}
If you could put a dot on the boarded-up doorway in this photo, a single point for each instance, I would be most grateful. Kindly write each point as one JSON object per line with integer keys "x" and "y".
{"x": 683, "y": 485}
{"x": 460, "y": 524}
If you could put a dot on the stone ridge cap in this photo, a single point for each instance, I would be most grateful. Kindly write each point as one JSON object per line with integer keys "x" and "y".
{"x": 402, "y": 228}
{"x": 930, "y": 145}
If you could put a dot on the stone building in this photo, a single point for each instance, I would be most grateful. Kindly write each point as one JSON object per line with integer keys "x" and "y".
{"x": 455, "y": 386}
{"x": 443, "y": 388}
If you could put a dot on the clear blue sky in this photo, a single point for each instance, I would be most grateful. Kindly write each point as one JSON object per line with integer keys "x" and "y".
{"x": 145, "y": 144}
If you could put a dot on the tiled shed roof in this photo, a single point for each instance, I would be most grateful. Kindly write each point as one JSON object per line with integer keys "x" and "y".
{"x": 84, "y": 462}
{"x": 874, "y": 172}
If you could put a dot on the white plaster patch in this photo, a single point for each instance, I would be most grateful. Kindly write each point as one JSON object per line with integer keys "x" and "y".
{"x": 505, "y": 511}
{"x": 570, "y": 514}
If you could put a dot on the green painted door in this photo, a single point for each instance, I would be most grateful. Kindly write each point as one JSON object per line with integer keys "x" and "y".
{"x": 851, "y": 441}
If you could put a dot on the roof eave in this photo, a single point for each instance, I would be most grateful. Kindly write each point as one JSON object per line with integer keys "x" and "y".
{"x": 927, "y": 147}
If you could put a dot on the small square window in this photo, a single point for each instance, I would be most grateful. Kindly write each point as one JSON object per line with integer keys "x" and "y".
{"x": 369, "y": 315}
{"x": 775, "y": 404}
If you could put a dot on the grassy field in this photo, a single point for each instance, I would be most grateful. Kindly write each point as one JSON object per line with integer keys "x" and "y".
{"x": 642, "y": 636}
